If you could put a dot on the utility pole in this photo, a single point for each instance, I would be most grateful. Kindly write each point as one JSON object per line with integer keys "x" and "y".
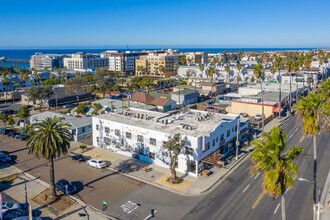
{"x": 237, "y": 138}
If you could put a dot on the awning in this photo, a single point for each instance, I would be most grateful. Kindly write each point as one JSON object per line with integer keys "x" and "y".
{"x": 212, "y": 158}
{"x": 277, "y": 110}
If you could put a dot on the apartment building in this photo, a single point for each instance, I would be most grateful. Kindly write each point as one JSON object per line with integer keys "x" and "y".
{"x": 143, "y": 134}
{"x": 197, "y": 58}
{"x": 40, "y": 61}
{"x": 157, "y": 65}
{"x": 122, "y": 61}
{"x": 84, "y": 60}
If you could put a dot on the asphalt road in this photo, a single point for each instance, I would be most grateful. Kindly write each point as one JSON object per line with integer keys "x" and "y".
{"x": 232, "y": 199}
{"x": 240, "y": 196}
{"x": 98, "y": 185}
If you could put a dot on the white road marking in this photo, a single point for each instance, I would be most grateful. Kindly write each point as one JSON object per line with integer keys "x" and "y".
{"x": 256, "y": 176}
{"x": 290, "y": 136}
{"x": 276, "y": 208}
{"x": 129, "y": 206}
{"x": 246, "y": 188}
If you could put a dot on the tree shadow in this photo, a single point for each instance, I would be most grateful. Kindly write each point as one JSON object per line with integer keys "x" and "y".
{"x": 131, "y": 165}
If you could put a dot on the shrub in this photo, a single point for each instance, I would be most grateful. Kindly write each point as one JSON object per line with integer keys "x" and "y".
{"x": 178, "y": 180}
{"x": 83, "y": 147}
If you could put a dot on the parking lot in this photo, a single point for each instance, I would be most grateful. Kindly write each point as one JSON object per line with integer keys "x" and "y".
{"x": 93, "y": 185}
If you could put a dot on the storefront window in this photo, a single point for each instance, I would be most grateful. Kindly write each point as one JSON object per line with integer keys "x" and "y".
{"x": 107, "y": 130}
{"x": 107, "y": 140}
{"x": 140, "y": 138}
{"x": 152, "y": 141}
{"x": 117, "y": 132}
{"x": 191, "y": 166}
{"x": 128, "y": 135}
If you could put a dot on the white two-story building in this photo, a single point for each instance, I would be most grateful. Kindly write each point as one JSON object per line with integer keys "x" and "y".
{"x": 143, "y": 134}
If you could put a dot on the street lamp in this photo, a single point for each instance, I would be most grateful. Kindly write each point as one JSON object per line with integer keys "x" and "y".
{"x": 318, "y": 204}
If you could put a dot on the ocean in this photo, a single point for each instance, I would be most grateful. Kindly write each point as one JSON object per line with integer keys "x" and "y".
{"x": 27, "y": 53}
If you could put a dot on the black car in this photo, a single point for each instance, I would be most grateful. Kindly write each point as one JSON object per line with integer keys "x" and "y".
{"x": 65, "y": 187}
{"x": 11, "y": 133}
{"x": 79, "y": 157}
{"x": 15, "y": 213}
{"x": 5, "y": 131}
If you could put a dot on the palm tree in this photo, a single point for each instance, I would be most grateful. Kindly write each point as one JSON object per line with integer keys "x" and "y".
{"x": 259, "y": 72}
{"x": 25, "y": 77}
{"x": 307, "y": 64}
{"x": 296, "y": 67}
{"x": 174, "y": 145}
{"x": 49, "y": 139}
{"x": 39, "y": 77}
{"x": 289, "y": 67}
{"x": 279, "y": 166}
{"x": 227, "y": 69}
{"x": 239, "y": 67}
{"x": 314, "y": 114}
{"x": 211, "y": 71}
{"x": 202, "y": 68}
{"x": 63, "y": 76}
{"x": 140, "y": 68}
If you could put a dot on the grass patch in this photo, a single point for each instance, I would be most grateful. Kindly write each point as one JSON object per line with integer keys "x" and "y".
{"x": 58, "y": 205}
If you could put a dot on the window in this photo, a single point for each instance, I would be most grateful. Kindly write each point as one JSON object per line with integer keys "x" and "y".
{"x": 207, "y": 146}
{"x": 213, "y": 142}
{"x": 236, "y": 128}
{"x": 152, "y": 141}
{"x": 107, "y": 141}
{"x": 128, "y": 135}
{"x": 97, "y": 127}
{"x": 232, "y": 129}
{"x": 191, "y": 166}
{"x": 228, "y": 133}
{"x": 117, "y": 132}
{"x": 151, "y": 155}
{"x": 97, "y": 139}
{"x": 222, "y": 137}
{"x": 107, "y": 130}
{"x": 217, "y": 139}
{"x": 140, "y": 138}
{"x": 189, "y": 150}
{"x": 83, "y": 130}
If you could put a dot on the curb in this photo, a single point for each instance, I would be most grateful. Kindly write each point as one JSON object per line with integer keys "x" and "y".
{"x": 325, "y": 192}
{"x": 99, "y": 212}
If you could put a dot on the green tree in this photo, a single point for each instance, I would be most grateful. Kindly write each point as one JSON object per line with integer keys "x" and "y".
{"x": 11, "y": 121}
{"x": 24, "y": 113}
{"x": 49, "y": 139}
{"x": 202, "y": 68}
{"x": 161, "y": 68}
{"x": 182, "y": 60}
{"x": 176, "y": 67}
{"x": 270, "y": 156}
{"x": 97, "y": 106}
{"x": 259, "y": 72}
{"x": 63, "y": 76}
{"x": 81, "y": 109}
{"x": 140, "y": 69}
{"x": 174, "y": 145}
{"x": 210, "y": 72}
{"x": 104, "y": 80}
{"x": 41, "y": 93}
{"x": 183, "y": 82}
{"x": 75, "y": 86}
{"x": 52, "y": 76}
{"x": 314, "y": 114}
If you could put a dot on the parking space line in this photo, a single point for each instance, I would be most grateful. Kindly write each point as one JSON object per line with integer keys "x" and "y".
{"x": 246, "y": 188}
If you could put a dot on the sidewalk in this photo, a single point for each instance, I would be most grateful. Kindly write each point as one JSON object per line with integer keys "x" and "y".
{"x": 325, "y": 200}
{"x": 16, "y": 190}
{"x": 191, "y": 186}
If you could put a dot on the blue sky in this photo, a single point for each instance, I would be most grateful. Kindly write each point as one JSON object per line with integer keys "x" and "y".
{"x": 176, "y": 23}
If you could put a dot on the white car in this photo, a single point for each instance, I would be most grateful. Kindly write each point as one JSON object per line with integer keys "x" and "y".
{"x": 96, "y": 163}
{"x": 258, "y": 117}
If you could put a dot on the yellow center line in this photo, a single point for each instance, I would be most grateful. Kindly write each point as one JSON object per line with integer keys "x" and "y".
{"x": 258, "y": 200}
{"x": 302, "y": 139}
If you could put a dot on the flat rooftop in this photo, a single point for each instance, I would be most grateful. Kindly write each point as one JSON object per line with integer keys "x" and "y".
{"x": 192, "y": 122}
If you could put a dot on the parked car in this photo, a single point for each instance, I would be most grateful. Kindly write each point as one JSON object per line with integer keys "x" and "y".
{"x": 5, "y": 131}
{"x": 4, "y": 158}
{"x": 258, "y": 117}
{"x": 65, "y": 187}
{"x": 70, "y": 105}
{"x": 14, "y": 134}
{"x": 79, "y": 157}
{"x": 96, "y": 163}
{"x": 17, "y": 214}
{"x": 10, "y": 205}
{"x": 243, "y": 114}
{"x": 11, "y": 133}
{"x": 21, "y": 137}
